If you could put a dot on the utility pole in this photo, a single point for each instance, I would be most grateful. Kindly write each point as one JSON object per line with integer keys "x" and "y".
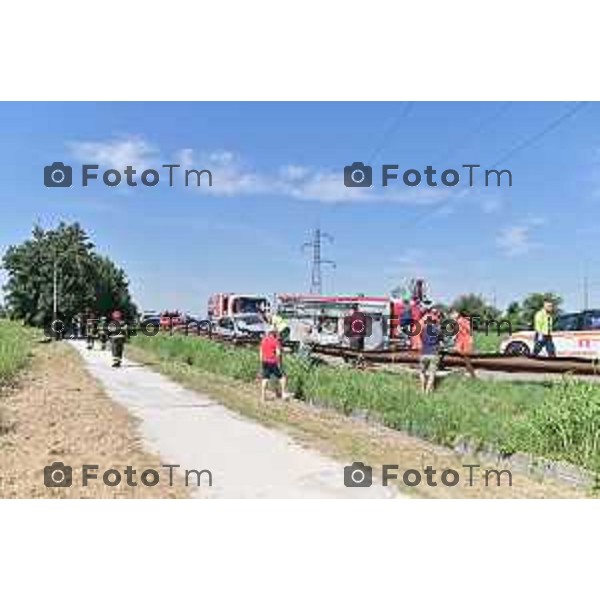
{"x": 54, "y": 296}
{"x": 54, "y": 291}
{"x": 586, "y": 292}
{"x": 316, "y": 279}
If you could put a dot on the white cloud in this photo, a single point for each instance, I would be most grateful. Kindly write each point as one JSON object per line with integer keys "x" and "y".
{"x": 491, "y": 205}
{"x": 233, "y": 176}
{"x": 117, "y": 153}
{"x": 516, "y": 240}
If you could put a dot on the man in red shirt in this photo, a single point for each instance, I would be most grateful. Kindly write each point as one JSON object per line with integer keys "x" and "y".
{"x": 270, "y": 358}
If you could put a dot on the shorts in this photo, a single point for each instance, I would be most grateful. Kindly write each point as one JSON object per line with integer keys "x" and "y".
{"x": 429, "y": 363}
{"x": 271, "y": 370}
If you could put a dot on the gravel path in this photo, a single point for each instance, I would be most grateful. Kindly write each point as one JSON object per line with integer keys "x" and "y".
{"x": 246, "y": 459}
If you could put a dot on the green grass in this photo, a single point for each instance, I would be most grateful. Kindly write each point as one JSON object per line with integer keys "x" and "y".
{"x": 486, "y": 343}
{"x": 15, "y": 348}
{"x": 557, "y": 421}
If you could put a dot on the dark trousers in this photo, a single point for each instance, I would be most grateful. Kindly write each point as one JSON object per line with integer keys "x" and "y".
{"x": 116, "y": 346}
{"x": 103, "y": 337}
{"x": 544, "y": 341}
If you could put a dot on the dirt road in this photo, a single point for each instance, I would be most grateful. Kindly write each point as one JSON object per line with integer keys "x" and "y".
{"x": 246, "y": 459}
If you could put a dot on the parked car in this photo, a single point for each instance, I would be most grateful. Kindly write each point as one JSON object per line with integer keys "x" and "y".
{"x": 150, "y": 317}
{"x": 574, "y": 335}
{"x": 243, "y": 326}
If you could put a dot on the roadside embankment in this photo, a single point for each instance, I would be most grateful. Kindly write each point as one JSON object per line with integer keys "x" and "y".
{"x": 397, "y": 424}
{"x": 56, "y": 412}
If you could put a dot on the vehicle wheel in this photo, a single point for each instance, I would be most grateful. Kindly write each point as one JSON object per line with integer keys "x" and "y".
{"x": 517, "y": 349}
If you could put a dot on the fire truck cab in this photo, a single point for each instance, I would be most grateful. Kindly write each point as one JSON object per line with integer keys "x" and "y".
{"x": 230, "y": 304}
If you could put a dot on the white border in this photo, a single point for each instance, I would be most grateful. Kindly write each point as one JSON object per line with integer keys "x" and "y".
{"x": 298, "y": 549}
{"x": 314, "y": 50}
{"x": 310, "y": 50}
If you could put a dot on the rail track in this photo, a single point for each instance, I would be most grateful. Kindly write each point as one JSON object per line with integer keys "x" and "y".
{"x": 488, "y": 362}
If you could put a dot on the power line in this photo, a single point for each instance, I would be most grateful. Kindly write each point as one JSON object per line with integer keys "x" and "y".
{"x": 316, "y": 277}
{"x": 476, "y": 130}
{"x": 540, "y": 134}
{"x": 391, "y": 130}
{"x": 519, "y": 147}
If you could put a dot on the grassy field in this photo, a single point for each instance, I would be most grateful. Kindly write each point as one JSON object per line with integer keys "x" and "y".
{"x": 15, "y": 347}
{"x": 558, "y": 421}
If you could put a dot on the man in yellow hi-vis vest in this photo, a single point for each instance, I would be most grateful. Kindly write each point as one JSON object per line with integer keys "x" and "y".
{"x": 543, "y": 323}
{"x": 281, "y": 325}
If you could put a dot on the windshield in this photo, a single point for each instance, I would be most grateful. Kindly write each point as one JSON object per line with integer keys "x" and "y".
{"x": 567, "y": 323}
{"x": 250, "y": 305}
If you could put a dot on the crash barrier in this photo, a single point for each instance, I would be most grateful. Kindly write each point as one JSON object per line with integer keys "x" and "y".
{"x": 490, "y": 362}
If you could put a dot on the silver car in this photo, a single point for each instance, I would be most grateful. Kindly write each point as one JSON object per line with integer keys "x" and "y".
{"x": 242, "y": 326}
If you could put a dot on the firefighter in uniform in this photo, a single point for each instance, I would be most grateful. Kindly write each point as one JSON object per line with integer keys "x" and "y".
{"x": 103, "y": 332}
{"x": 117, "y": 333}
{"x": 91, "y": 329}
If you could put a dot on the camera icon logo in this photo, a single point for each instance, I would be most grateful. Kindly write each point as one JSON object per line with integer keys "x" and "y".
{"x": 58, "y": 175}
{"x": 357, "y": 325}
{"x": 358, "y": 475}
{"x": 358, "y": 175}
{"x": 58, "y": 475}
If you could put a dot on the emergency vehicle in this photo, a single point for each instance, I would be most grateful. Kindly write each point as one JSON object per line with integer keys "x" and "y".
{"x": 230, "y": 304}
{"x": 237, "y": 316}
{"x": 574, "y": 335}
{"x": 170, "y": 319}
{"x": 333, "y": 320}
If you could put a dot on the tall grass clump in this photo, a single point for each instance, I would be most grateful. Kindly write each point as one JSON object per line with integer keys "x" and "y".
{"x": 15, "y": 347}
{"x": 566, "y": 425}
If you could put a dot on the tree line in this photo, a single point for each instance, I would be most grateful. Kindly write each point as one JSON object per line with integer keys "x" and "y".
{"x": 519, "y": 314}
{"x": 85, "y": 280}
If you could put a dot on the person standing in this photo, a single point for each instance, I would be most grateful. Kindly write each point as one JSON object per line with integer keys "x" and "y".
{"x": 270, "y": 358}
{"x": 416, "y": 325}
{"x": 543, "y": 323}
{"x": 281, "y": 325}
{"x": 91, "y": 329}
{"x": 429, "y": 362}
{"x": 103, "y": 332}
{"x": 463, "y": 342}
{"x": 117, "y": 331}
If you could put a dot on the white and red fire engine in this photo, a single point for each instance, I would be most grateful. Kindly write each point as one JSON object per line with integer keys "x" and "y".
{"x": 340, "y": 320}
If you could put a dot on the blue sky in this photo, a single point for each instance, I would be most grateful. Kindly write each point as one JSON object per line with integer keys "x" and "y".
{"x": 277, "y": 173}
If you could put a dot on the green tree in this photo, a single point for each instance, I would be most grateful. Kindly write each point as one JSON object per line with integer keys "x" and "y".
{"x": 514, "y": 315}
{"x": 112, "y": 288}
{"x": 533, "y": 302}
{"x": 474, "y": 305}
{"x": 85, "y": 279}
